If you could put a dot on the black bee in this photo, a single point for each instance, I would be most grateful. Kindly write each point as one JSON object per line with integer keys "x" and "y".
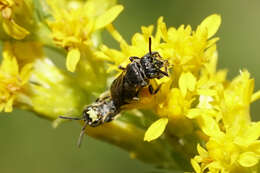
{"x": 124, "y": 89}
{"x": 101, "y": 111}
{"x": 137, "y": 74}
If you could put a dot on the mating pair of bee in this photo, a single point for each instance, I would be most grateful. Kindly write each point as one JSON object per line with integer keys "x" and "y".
{"x": 124, "y": 89}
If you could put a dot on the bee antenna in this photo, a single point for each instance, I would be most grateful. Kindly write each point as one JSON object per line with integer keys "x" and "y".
{"x": 70, "y": 118}
{"x": 82, "y": 134}
{"x": 150, "y": 45}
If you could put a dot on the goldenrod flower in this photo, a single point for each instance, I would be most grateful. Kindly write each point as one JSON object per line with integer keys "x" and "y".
{"x": 75, "y": 29}
{"x": 195, "y": 90}
{"x": 15, "y": 15}
{"x": 12, "y": 80}
{"x": 233, "y": 144}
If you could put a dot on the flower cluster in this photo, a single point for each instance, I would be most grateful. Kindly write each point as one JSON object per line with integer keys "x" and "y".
{"x": 12, "y": 77}
{"x": 74, "y": 27}
{"x": 28, "y": 75}
{"x": 196, "y": 100}
{"x": 198, "y": 119}
{"x": 232, "y": 143}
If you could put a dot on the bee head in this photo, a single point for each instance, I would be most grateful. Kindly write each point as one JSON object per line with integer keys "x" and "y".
{"x": 152, "y": 63}
{"x": 92, "y": 116}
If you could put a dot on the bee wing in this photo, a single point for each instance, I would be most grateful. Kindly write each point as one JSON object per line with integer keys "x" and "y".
{"x": 116, "y": 89}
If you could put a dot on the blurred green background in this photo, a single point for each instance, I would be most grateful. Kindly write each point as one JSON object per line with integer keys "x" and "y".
{"x": 30, "y": 144}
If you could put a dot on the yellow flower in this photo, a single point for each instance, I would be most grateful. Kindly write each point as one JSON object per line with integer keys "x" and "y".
{"x": 15, "y": 15}
{"x": 233, "y": 144}
{"x": 12, "y": 80}
{"x": 75, "y": 28}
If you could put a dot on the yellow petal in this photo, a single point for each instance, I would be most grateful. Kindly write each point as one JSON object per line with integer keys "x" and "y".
{"x": 255, "y": 147}
{"x": 72, "y": 59}
{"x": 207, "y": 92}
{"x": 193, "y": 113}
{"x": 214, "y": 165}
{"x": 101, "y": 55}
{"x": 195, "y": 166}
{"x": 14, "y": 30}
{"x": 248, "y": 159}
{"x": 116, "y": 35}
{"x": 211, "y": 23}
{"x": 202, "y": 152}
{"x": 205, "y": 102}
{"x": 108, "y": 17}
{"x": 156, "y": 129}
{"x": 147, "y": 31}
{"x": 26, "y": 72}
{"x": 255, "y": 96}
{"x": 187, "y": 82}
{"x": 161, "y": 29}
{"x": 9, "y": 105}
{"x": 9, "y": 64}
{"x": 209, "y": 126}
{"x": 253, "y": 132}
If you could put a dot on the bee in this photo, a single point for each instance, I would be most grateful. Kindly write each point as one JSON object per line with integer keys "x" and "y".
{"x": 101, "y": 111}
{"x": 124, "y": 89}
{"x": 137, "y": 75}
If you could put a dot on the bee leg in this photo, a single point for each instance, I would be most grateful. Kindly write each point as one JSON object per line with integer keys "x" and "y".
{"x": 166, "y": 64}
{"x": 121, "y": 68}
{"x": 82, "y": 134}
{"x": 165, "y": 73}
{"x": 150, "y": 87}
{"x": 132, "y": 58}
{"x": 152, "y": 91}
